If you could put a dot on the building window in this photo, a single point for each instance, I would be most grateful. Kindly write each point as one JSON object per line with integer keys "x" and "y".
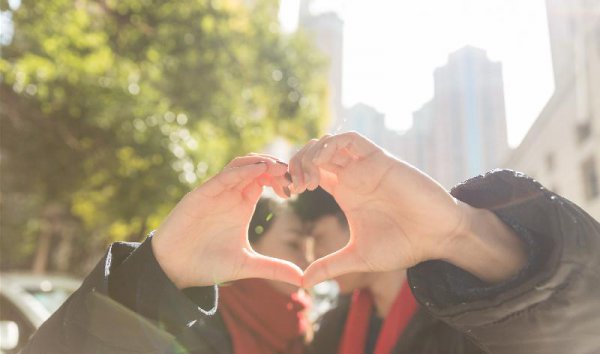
{"x": 550, "y": 162}
{"x": 591, "y": 184}
{"x": 583, "y": 130}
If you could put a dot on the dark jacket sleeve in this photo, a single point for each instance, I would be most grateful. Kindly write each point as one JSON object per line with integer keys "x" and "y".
{"x": 125, "y": 305}
{"x": 553, "y": 304}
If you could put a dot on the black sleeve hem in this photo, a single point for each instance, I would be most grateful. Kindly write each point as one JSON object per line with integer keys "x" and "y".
{"x": 140, "y": 284}
{"x": 446, "y": 289}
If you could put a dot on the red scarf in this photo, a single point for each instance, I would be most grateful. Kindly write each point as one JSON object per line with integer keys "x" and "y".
{"x": 356, "y": 329}
{"x": 262, "y": 320}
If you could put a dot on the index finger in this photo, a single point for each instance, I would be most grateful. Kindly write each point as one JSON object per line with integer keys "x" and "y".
{"x": 231, "y": 178}
{"x": 356, "y": 144}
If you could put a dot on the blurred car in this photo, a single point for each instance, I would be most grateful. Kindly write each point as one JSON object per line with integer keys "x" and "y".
{"x": 26, "y": 301}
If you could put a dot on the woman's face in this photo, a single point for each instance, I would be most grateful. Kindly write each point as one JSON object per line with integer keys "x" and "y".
{"x": 284, "y": 240}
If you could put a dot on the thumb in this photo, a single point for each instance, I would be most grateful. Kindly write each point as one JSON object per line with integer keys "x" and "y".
{"x": 259, "y": 266}
{"x": 331, "y": 266}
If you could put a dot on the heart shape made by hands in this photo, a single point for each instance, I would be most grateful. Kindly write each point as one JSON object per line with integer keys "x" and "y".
{"x": 397, "y": 215}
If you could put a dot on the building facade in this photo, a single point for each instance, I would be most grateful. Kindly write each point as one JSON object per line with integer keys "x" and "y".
{"x": 461, "y": 131}
{"x": 562, "y": 148}
{"x": 468, "y": 117}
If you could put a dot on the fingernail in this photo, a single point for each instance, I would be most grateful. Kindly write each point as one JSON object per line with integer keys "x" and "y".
{"x": 288, "y": 177}
{"x": 287, "y": 192}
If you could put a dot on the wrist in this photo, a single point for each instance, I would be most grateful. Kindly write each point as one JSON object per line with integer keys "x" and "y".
{"x": 167, "y": 267}
{"x": 485, "y": 246}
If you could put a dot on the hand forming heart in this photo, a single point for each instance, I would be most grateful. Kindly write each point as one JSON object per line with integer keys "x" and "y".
{"x": 204, "y": 239}
{"x": 397, "y": 215}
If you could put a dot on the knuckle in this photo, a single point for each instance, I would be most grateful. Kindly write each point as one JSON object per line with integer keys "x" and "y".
{"x": 306, "y": 160}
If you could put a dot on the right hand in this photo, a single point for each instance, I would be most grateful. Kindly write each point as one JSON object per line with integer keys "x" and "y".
{"x": 398, "y": 216}
{"x": 204, "y": 240}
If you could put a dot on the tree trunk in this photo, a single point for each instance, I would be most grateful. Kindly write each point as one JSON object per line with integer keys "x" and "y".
{"x": 40, "y": 261}
{"x": 52, "y": 219}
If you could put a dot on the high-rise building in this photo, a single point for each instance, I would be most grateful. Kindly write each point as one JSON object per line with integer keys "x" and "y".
{"x": 327, "y": 29}
{"x": 365, "y": 120}
{"x": 469, "y": 115}
{"x": 461, "y": 132}
{"x": 419, "y": 146}
{"x": 562, "y": 148}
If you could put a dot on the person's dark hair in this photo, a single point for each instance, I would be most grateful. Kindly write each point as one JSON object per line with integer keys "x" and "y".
{"x": 263, "y": 218}
{"x": 313, "y": 205}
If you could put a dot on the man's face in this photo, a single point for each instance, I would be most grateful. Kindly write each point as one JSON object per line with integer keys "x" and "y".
{"x": 329, "y": 236}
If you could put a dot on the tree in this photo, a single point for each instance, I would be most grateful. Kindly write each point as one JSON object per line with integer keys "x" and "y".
{"x": 112, "y": 110}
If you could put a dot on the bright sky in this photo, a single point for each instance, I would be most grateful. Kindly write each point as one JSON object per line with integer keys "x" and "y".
{"x": 392, "y": 47}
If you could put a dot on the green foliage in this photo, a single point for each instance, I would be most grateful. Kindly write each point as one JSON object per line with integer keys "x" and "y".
{"x": 115, "y": 109}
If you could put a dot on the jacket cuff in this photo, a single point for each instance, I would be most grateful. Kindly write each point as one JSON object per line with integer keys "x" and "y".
{"x": 524, "y": 205}
{"x": 140, "y": 284}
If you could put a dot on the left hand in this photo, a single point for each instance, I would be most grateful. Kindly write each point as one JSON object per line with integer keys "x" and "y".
{"x": 204, "y": 240}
